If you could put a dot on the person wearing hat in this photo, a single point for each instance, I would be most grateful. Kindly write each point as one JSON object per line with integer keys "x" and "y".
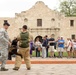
{"x": 4, "y": 42}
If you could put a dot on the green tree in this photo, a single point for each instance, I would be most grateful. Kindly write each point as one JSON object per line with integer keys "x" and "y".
{"x": 68, "y": 7}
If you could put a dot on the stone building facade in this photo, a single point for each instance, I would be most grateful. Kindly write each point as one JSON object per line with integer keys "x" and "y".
{"x": 42, "y": 21}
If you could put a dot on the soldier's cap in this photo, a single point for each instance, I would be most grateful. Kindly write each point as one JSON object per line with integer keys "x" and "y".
{"x": 6, "y": 23}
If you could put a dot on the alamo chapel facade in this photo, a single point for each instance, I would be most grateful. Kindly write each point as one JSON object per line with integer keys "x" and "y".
{"x": 42, "y": 21}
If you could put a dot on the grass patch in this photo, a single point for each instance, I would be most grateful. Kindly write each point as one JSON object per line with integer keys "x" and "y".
{"x": 56, "y": 54}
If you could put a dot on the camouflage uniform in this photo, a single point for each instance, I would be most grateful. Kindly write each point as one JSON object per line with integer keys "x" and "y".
{"x": 4, "y": 39}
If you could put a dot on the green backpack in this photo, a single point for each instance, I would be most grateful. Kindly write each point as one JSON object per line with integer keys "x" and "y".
{"x": 24, "y": 42}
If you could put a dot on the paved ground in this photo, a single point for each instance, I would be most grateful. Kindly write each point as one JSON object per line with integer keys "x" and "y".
{"x": 43, "y": 69}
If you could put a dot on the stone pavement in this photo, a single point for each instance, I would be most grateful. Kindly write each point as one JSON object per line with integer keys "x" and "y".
{"x": 42, "y": 69}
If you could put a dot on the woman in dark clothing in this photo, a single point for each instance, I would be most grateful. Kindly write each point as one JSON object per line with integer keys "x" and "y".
{"x": 31, "y": 47}
{"x": 44, "y": 45}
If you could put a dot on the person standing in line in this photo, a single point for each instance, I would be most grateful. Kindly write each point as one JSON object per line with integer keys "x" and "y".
{"x": 74, "y": 48}
{"x": 4, "y": 42}
{"x": 31, "y": 47}
{"x": 51, "y": 43}
{"x": 24, "y": 50}
{"x": 58, "y": 45}
{"x": 47, "y": 45}
{"x": 61, "y": 47}
{"x": 44, "y": 45}
{"x": 69, "y": 47}
{"x": 38, "y": 45}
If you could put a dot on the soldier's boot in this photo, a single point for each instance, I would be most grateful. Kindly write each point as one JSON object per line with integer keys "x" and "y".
{"x": 28, "y": 68}
{"x": 4, "y": 69}
{"x": 16, "y": 68}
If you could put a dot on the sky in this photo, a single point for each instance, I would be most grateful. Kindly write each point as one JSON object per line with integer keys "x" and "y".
{"x": 8, "y": 8}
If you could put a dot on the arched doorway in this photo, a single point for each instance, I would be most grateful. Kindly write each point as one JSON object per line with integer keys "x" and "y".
{"x": 40, "y": 38}
{"x": 53, "y": 35}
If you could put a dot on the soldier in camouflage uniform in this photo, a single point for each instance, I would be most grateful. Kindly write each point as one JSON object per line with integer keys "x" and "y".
{"x": 4, "y": 41}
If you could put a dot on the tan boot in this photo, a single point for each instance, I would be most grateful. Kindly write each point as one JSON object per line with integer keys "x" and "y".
{"x": 16, "y": 68}
{"x": 28, "y": 68}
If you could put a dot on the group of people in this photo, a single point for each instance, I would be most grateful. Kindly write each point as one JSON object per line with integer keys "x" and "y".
{"x": 71, "y": 48}
{"x": 7, "y": 48}
{"x": 20, "y": 47}
{"x": 51, "y": 45}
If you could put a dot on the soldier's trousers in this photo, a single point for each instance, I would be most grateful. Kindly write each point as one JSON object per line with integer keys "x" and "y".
{"x": 25, "y": 52}
{"x": 3, "y": 56}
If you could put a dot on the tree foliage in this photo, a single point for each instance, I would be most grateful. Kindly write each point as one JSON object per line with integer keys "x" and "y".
{"x": 68, "y": 7}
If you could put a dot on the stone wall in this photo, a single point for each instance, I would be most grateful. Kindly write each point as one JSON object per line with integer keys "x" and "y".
{"x": 53, "y": 22}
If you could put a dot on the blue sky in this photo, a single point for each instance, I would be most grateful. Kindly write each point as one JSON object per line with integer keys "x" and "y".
{"x": 8, "y": 8}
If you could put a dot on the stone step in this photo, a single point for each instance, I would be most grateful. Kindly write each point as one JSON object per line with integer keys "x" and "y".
{"x": 47, "y": 62}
